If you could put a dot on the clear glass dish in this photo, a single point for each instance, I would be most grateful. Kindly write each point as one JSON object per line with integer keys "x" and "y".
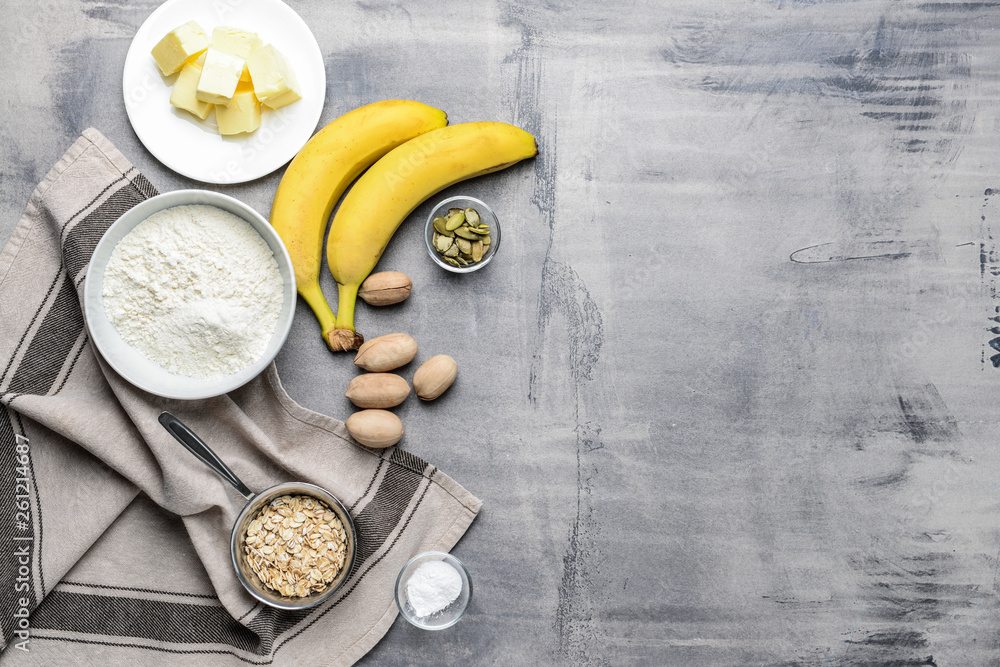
{"x": 485, "y": 213}
{"x": 448, "y": 616}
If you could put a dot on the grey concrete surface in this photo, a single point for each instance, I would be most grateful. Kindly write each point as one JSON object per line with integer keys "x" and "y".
{"x": 729, "y": 390}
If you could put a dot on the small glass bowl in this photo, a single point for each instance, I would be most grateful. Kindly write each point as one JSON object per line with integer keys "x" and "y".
{"x": 448, "y": 616}
{"x": 488, "y": 217}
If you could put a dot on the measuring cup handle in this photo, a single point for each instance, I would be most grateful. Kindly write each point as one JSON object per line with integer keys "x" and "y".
{"x": 203, "y": 452}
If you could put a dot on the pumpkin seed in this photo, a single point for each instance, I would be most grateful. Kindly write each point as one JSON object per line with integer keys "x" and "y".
{"x": 461, "y": 237}
{"x": 444, "y": 244}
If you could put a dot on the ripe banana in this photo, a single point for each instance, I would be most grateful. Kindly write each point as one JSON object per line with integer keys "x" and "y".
{"x": 320, "y": 173}
{"x": 395, "y": 185}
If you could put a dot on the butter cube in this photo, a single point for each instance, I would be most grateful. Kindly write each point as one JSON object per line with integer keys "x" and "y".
{"x": 274, "y": 81}
{"x": 219, "y": 77}
{"x": 235, "y": 41}
{"x": 184, "y": 95}
{"x": 242, "y": 114}
{"x": 179, "y": 46}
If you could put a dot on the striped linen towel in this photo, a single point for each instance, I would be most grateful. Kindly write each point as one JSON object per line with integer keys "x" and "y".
{"x": 113, "y": 538}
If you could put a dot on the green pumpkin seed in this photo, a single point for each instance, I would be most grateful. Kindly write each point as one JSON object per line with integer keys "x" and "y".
{"x": 461, "y": 237}
{"x": 444, "y": 244}
{"x": 439, "y": 225}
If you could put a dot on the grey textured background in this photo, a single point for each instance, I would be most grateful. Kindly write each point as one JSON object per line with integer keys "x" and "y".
{"x": 727, "y": 390}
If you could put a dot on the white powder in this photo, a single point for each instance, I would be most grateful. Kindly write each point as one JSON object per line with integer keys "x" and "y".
{"x": 432, "y": 587}
{"x": 196, "y": 290}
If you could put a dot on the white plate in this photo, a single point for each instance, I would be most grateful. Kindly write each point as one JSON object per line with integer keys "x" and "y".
{"x": 194, "y": 148}
{"x": 129, "y": 362}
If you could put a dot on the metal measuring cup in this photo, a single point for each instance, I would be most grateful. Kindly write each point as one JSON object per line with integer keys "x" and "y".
{"x": 255, "y": 503}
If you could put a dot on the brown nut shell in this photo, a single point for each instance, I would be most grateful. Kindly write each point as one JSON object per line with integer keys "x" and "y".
{"x": 375, "y": 428}
{"x": 434, "y": 377}
{"x": 385, "y": 288}
{"x": 386, "y": 353}
{"x": 377, "y": 390}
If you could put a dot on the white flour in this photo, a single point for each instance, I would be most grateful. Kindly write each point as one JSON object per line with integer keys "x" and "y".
{"x": 432, "y": 587}
{"x": 196, "y": 290}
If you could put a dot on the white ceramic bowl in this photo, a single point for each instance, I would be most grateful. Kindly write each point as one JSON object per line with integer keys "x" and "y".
{"x": 129, "y": 362}
{"x": 193, "y": 147}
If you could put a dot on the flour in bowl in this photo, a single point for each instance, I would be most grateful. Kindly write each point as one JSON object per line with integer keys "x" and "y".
{"x": 196, "y": 290}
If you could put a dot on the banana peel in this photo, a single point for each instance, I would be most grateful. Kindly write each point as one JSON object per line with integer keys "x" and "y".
{"x": 317, "y": 177}
{"x": 394, "y": 186}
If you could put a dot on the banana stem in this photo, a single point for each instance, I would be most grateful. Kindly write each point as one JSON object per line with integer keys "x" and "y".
{"x": 342, "y": 337}
{"x": 313, "y": 295}
{"x": 348, "y": 298}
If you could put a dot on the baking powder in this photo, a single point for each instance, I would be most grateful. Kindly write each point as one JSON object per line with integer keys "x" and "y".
{"x": 196, "y": 290}
{"x": 432, "y": 587}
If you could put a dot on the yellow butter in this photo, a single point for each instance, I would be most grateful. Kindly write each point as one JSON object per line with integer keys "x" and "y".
{"x": 184, "y": 95}
{"x": 235, "y": 41}
{"x": 274, "y": 81}
{"x": 219, "y": 76}
{"x": 242, "y": 114}
{"x": 179, "y": 46}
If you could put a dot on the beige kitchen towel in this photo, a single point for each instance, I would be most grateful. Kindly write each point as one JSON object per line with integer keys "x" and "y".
{"x": 114, "y": 540}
